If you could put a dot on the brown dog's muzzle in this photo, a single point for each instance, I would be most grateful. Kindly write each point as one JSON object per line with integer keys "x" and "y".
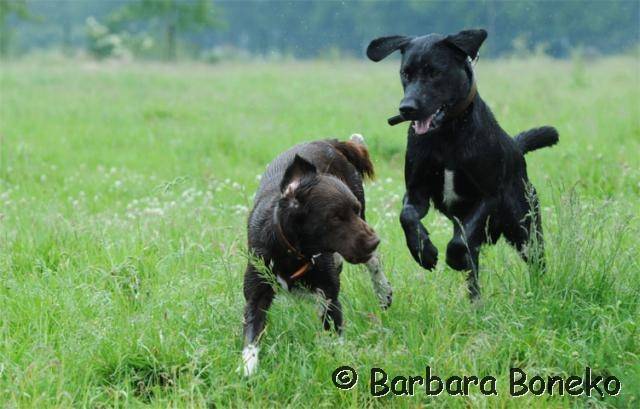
{"x": 364, "y": 244}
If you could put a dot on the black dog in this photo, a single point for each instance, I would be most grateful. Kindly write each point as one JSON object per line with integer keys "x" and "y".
{"x": 308, "y": 212}
{"x": 458, "y": 156}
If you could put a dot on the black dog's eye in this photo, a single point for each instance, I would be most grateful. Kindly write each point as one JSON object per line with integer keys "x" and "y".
{"x": 430, "y": 71}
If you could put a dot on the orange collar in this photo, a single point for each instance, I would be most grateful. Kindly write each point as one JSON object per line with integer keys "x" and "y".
{"x": 301, "y": 271}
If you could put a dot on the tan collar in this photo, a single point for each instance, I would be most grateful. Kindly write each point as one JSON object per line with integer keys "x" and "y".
{"x": 461, "y": 106}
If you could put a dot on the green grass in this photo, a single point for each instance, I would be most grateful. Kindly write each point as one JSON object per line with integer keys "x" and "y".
{"x": 124, "y": 191}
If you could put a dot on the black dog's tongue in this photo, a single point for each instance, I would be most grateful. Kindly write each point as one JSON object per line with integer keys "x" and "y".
{"x": 422, "y": 126}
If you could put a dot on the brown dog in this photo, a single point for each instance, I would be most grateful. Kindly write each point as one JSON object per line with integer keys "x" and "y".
{"x": 308, "y": 214}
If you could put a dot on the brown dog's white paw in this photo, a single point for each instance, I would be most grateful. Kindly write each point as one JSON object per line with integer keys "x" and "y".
{"x": 384, "y": 291}
{"x": 381, "y": 285}
{"x": 250, "y": 360}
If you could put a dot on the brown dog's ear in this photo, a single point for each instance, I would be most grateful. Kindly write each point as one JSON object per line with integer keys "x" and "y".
{"x": 298, "y": 168}
{"x": 381, "y": 47}
{"x": 467, "y": 41}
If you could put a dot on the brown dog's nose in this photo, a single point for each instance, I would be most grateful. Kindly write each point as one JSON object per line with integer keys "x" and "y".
{"x": 372, "y": 244}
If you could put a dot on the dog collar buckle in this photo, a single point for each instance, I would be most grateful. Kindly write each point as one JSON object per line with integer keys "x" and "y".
{"x": 314, "y": 257}
{"x": 305, "y": 267}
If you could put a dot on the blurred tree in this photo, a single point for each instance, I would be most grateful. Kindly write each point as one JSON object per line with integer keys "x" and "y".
{"x": 17, "y": 8}
{"x": 172, "y": 16}
{"x": 102, "y": 43}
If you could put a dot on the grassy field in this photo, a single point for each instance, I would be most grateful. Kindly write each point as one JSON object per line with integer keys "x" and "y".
{"x": 124, "y": 191}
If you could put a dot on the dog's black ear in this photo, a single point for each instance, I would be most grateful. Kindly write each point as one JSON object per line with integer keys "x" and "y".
{"x": 467, "y": 41}
{"x": 383, "y": 46}
{"x": 298, "y": 168}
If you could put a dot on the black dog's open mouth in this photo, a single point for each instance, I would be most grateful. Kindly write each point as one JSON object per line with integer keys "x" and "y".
{"x": 423, "y": 126}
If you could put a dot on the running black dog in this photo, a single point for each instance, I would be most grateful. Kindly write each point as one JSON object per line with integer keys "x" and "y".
{"x": 458, "y": 156}
{"x": 308, "y": 214}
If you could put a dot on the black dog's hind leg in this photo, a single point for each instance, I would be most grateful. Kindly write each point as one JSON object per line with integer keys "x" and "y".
{"x": 463, "y": 255}
{"x": 259, "y": 295}
{"x": 415, "y": 207}
{"x": 524, "y": 230}
{"x": 464, "y": 248}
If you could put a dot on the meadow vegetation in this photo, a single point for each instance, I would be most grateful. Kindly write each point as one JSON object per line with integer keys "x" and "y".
{"x": 124, "y": 191}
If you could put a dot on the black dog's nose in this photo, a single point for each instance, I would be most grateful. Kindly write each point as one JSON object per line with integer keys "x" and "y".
{"x": 408, "y": 108}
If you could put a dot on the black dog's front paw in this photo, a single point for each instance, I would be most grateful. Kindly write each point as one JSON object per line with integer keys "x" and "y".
{"x": 425, "y": 253}
{"x": 428, "y": 255}
{"x": 457, "y": 254}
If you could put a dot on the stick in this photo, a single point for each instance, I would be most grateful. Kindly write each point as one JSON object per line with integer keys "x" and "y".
{"x": 395, "y": 120}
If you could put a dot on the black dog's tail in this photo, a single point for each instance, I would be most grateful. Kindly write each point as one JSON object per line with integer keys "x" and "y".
{"x": 536, "y": 138}
{"x": 357, "y": 153}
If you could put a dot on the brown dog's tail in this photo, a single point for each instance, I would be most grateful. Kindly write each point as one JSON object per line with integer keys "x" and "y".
{"x": 356, "y": 152}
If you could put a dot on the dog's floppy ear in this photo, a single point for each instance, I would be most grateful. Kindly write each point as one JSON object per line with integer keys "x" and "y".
{"x": 383, "y": 46}
{"x": 467, "y": 41}
{"x": 298, "y": 168}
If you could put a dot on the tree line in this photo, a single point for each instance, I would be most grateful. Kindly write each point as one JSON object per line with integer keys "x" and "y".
{"x": 306, "y": 29}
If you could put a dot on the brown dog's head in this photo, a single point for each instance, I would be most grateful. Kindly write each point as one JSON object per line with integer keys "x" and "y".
{"x": 324, "y": 214}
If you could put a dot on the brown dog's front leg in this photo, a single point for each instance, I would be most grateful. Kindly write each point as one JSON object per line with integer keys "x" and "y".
{"x": 381, "y": 285}
{"x": 327, "y": 284}
{"x": 259, "y": 296}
